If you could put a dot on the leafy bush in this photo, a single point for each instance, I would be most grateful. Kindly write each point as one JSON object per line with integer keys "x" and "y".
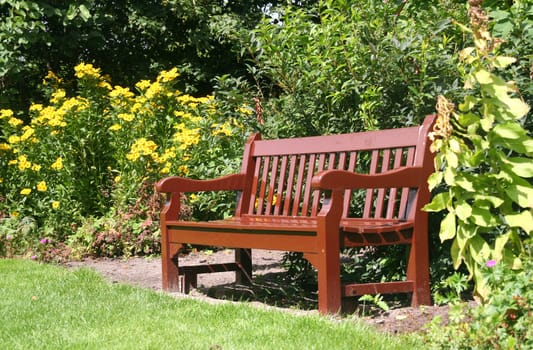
{"x": 484, "y": 158}
{"x": 504, "y": 322}
{"x": 98, "y": 153}
{"x": 350, "y": 66}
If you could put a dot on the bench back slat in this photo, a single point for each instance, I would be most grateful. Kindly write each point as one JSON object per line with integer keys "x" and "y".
{"x": 283, "y": 170}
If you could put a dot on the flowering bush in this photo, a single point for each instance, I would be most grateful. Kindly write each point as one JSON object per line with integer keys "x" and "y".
{"x": 97, "y": 154}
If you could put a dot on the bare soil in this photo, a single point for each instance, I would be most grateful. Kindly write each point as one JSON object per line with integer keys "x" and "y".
{"x": 269, "y": 289}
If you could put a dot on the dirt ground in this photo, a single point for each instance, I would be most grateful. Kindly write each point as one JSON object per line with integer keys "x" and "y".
{"x": 266, "y": 291}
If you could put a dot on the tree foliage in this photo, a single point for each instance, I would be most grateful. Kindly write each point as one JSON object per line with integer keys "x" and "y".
{"x": 130, "y": 40}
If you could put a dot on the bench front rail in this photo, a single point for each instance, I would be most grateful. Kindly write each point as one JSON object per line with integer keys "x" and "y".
{"x": 315, "y": 195}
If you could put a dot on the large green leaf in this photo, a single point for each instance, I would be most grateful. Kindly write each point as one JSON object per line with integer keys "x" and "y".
{"x": 439, "y": 202}
{"x": 521, "y": 166}
{"x": 524, "y": 220}
{"x": 447, "y": 227}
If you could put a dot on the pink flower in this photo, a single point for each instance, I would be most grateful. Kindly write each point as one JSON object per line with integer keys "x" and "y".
{"x": 44, "y": 241}
{"x": 491, "y": 263}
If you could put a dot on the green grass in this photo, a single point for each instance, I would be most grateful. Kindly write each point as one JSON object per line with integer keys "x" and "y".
{"x": 48, "y": 307}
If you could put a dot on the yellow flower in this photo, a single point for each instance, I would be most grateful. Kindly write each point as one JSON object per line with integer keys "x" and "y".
{"x": 23, "y": 163}
{"x": 105, "y": 85}
{"x": 83, "y": 70}
{"x": 117, "y": 179}
{"x": 153, "y": 90}
{"x": 58, "y": 96}
{"x": 13, "y": 139}
{"x": 6, "y": 113}
{"x": 15, "y": 121}
{"x": 126, "y": 116}
{"x": 35, "y": 167}
{"x": 58, "y": 164}
{"x": 141, "y": 147}
{"x": 4, "y": 147}
{"x": 119, "y": 91}
{"x": 183, "y": 170}
{"x": 115, "y": 127}
{"x": 166, "y": 76}
{"x": 28, "y": 132}
{"x": 36, "y": 107}
{"x": 25, "y": 191}
{"x": 41, "y": 186}
{"x": 143, "y": 85}
{"x": 55, "y": 204}
{"x": 14, "y": 214}
{"x": 244, "y": 109}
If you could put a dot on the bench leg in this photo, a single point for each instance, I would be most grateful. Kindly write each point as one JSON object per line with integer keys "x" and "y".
{"x": 243, "y": 257}
{"x": 418, "y": 272}
{"x": 169, "y": 265}
{"x": 329, "y": 283}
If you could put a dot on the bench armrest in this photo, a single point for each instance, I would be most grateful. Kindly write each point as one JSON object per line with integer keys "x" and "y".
{"x": 342, "y": 179}
{"x": 180, "y": 184}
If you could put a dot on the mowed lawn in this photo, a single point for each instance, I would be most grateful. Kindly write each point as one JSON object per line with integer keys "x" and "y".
{"x": 48, "y": 307}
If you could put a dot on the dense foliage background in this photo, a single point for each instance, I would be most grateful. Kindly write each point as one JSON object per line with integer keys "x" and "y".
{"x": 98, "y": 99}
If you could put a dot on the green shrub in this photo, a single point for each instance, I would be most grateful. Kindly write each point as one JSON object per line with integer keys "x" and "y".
{"x": 504, "y": 322}
{"x": 485, "y": 160}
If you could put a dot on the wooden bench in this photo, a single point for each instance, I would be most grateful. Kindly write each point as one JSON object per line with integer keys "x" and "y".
{"x": 314, "y": 195}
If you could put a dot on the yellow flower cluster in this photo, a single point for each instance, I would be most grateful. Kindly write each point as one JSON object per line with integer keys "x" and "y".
{"x": 126, "y": 116}
{"x": 119, "y": 91}
{"x": 154, "y": 90}
{"x": 15, "y": 122}
{"x": 143, "y": 85}
{"x": 6, "y": 113}
{"x": 166, "y": 76}
{"x": 246, "y": 110}
{"x": 41, "y": 186}
{"x": 58, "y": 96}
{"x": 23, "y": 163}
{"x": 58, "y": 164}
{"x": 222, "y": 129}
{"x": 141, "y": 147}
{"x": 83, "y": 70}
{"x": 186, "y": 137}
{"x": 25, "y": 191}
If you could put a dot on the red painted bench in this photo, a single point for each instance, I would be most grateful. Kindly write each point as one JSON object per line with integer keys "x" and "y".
{"x": 298, "y": 195}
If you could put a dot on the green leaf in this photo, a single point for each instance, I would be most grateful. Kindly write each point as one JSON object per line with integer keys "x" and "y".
{"x": 499, "y": 246}
{"x": 520, "y": 166}
{"x": 452, "y": 159}
{"x": 503, "y": 61}
{"x": 495, "y": 201}
{"x": 438, "y": 203}
{"x": 447, "y": 227}
{"x": 520, "y": 194}
{"x": 524, "y": 220}
{"x": 463, "y": 211}
{"x": 509, "y": 130}
{"x": 434, "y": 180}
{"x": 455, "y": 252}
{"x": 483, "y": 217}
{"x": 480, "y": 249}
{"x": 484, "y": 77}
{"x": 470, "y": 102}
{"x": 84, "y": 13}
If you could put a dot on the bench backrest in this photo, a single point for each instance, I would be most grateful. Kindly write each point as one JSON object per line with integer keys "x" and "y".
{"x": 282, "y": 170}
